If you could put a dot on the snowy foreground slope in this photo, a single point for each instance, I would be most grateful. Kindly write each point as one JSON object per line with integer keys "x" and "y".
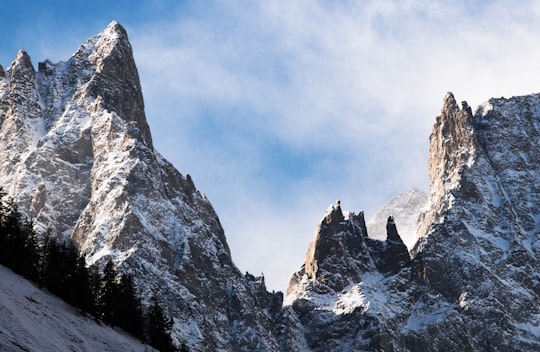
{"x": 35, "y": 321}
{"x": 76, "y": 154}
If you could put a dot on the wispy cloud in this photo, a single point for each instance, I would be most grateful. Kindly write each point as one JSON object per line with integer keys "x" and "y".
{"x": 278, "y": 108}
{"x": 282, "y": 107}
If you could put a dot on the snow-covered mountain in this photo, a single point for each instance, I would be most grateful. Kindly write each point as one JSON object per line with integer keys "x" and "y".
{"x": 472, "y": 283}
{"x": 33, "y": 320}
{"x": 76, "y": 153}
{"x": 404, "y": 208}
{"x": 77, "y": 156}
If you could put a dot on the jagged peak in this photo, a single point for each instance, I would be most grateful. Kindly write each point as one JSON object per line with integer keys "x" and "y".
{"x": 111, "y": 56}
{"x": 333, "y": 214}
{"x": 2, "y": 73}
{"x": 102, "y": 44}
{"x": 392, "y": 234}
{"x": 111, "y": 38}
{"x": 22, "y": 56}
{"x": 449, "y": 101}
{"x": 22, "y": 61}
{"x": 115, "y": 29}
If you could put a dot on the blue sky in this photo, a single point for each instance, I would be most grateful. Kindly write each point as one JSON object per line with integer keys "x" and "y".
{"x": 278, "y": 108}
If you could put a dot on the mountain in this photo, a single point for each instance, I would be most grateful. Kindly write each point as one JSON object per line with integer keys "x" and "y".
{"x": 472, "y": 282}
{"x": 33, "y": 320}
{"x": 77, "y": 157}
{"x": 405, "y": 208}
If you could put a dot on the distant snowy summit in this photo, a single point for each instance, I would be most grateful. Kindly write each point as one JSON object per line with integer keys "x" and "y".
{"x": 404, "y": 208}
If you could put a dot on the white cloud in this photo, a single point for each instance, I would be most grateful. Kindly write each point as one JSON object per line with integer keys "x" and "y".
{"x": 278, "y": 108}
{"x": 347, "y": 91}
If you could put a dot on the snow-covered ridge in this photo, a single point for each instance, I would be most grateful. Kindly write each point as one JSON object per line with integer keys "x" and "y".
{"x": 476, "y": 265}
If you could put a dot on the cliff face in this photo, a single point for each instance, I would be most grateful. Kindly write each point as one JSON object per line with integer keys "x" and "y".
{"x": 77, "y": 156}
{"x": 337, "y": 295}
{"x": 480, "y": 252}
{"x": 472, "y": 283}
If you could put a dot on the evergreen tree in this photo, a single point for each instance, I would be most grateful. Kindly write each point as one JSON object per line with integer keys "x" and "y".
{"x": 30, "y": 256}
{"x": 53, "y": 277}
{"x": 61, "y": 269}
{"x": 14, "y": 241}
{"x": 128, "y": 313}
{"x": 81, "y": 294}
{"x": 108, "y": 297}
{"x": 94, "y": 280}
{"x": 43, "y": 260}
{"x": 159, "y": 328}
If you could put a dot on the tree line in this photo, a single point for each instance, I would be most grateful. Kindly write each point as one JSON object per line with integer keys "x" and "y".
{"x": 101, "y": 292}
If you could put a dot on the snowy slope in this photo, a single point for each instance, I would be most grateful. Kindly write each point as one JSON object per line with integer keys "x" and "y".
{"x": 35, "y": 321}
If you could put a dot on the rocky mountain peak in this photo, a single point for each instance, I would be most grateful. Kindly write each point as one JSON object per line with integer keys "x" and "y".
{"x": 22, "y": 60}
{"x": 21, "y": 71}
{"x": 77, "y": 157}
{"x": 391, "y": 231}
{"x": 116, "y": 79}
{"x": 333, "y": 218}
{"x": 453, "y": 147}
{"x": 342, "y": 252}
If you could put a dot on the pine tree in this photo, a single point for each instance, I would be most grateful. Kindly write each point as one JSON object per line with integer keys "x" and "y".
{"x": 81, "y": 294}
{"x": 30, "y": 256}
{"x": 159, "y": 328}
{"x": 14, "y": 241}
{"x": 94, "y": 280}
{"x": 128, "y": 313}
{"x": 108, "y": 297}
{"x": 53, "y": 277}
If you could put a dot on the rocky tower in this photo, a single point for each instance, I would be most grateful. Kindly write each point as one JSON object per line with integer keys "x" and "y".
{"x": 77, "y": 156}
{"x": 333, "y": 297}
{"x": 480, "y": 252}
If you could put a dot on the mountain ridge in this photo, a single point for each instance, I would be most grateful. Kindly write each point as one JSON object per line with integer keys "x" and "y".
{"x": 77, "y": 156}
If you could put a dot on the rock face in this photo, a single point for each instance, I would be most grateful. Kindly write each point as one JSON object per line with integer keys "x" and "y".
{"x": 480, "y": 251}
{"x": 335, "y": 292}
{"x": 472, "y": 283}
{"x": 77, "y": 155}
